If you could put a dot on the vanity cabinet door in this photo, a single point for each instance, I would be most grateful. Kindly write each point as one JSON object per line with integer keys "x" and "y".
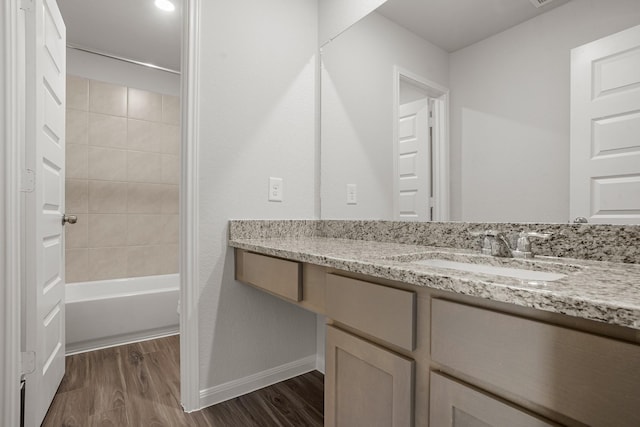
{"x": 366, "y": 385}
{"x": 592, "y": 379}
{"x": 456, "y": 405}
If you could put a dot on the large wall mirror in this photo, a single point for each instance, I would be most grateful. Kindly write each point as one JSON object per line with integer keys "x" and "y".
{"x": 485, "y": 83}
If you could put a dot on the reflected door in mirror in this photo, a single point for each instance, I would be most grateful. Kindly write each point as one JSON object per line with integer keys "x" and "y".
{"x": 605, "y": 124}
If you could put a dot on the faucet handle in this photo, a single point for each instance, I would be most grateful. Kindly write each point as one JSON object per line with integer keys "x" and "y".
{"x": 523, "y": 248}
{"x": 488, "y": 236}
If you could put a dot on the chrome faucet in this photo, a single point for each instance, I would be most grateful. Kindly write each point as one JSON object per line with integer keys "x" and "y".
{"x": 501, "y": 246}
{"x": 495, "y": 243}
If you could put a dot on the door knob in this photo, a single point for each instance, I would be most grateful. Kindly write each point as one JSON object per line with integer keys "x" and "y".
{"x": 71, "y": 219}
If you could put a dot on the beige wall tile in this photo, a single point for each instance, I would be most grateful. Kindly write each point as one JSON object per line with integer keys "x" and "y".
{"x": 145, "y": 136}
{"x": 124, "y": 191}
{"x": 107, "y": 98}
{"x": 76, "y": 265}
{"x": 145, "y": 105}
{"x": 144, "y": 167}
{"x": 170, "y": 229}
{"x": 170, "y": 199}
{"x": 170, "y": 169}
{"x": 77, "y": 127}
{"x": 76, "y": 235}
{"x": 171, "y": 109}
{"x": 144, "y": 261}
{"x": 144, "y": 230}
{"x": 169, "y": 257}
{"x": 170, "y": 143}
{"x": 107, "y": 131}
{"x": 77, "y": 93}
{"x": 77, "y": 161}
{"x": 107, "y": 230}
{"x": 107, "y": 263}
{"x": 107, "y": 197}
{"x": 107, "y": 164}
{"x": 145, "y": 198}
{"x": 77, "y": 195}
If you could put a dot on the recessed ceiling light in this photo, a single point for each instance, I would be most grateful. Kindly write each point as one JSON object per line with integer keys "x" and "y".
{"x": 165, "y": 5}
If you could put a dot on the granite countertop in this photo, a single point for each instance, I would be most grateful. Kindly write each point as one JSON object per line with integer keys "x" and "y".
{"x": 596, "y": 290}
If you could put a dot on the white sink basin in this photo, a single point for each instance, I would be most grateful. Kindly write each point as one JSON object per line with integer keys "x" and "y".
{"x": 516, "y": 273}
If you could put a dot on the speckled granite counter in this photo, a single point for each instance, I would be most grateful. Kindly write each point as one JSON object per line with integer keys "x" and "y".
{"x": 597, "y": 290}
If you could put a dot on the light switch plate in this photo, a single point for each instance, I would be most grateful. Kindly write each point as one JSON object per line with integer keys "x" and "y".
{"x": 276, "y": 190}
{"x": 352, "y": 194}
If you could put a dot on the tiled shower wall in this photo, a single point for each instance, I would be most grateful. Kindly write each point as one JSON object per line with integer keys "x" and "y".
{"x": 122, "y": 175}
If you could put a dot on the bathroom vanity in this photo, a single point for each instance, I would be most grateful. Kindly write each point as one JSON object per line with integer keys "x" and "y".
{"x": 410, "y": 344}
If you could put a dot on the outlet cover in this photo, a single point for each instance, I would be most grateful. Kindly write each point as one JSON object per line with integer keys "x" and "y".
{"x": 276, "y": 190}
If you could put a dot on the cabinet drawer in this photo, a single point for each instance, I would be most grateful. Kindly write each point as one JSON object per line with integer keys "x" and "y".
{"x": 274, "y": 275}
{"x": 592, "y": 379}
{"x": 383, "y": 312}
{"x": 455, "y": 404}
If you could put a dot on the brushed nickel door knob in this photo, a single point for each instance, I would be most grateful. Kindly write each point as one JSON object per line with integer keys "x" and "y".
{"x": 71, "y": 219}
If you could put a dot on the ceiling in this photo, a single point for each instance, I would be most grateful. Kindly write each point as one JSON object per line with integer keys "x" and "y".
{"x": 132, "y": 29}
{"x": 137, "y": 30}
{"x": 454, "y": 24}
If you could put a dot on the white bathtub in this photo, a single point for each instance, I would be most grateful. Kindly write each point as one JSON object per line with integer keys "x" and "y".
{"x": 105, "y": 313}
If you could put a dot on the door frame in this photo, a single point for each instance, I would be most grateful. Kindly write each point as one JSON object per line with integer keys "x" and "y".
{"x": 12, "y": 111}
{"x": 12, "y": 118}
{"x": 189, "y": 207}
{"x": 440, "y": 94}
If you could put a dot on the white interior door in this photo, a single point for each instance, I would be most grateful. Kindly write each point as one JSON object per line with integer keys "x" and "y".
{"x": 605, "y": 129}
{"x": 414, "y": 164}
{"x": 44, "y": 245}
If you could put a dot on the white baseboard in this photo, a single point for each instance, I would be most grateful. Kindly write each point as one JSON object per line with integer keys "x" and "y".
{"x": 229, "y": 390}
{"x": 99, "y": 344}
{"x": 320, "y": 363}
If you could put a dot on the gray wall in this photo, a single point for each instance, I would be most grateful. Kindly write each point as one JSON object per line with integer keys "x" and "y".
{"x": 510, "y": 113}
{"x": 357, "y": 112}
{"x": 257, "y": 109}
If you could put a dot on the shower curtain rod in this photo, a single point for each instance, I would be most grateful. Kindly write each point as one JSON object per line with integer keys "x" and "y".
{"x": 120, "y": 58}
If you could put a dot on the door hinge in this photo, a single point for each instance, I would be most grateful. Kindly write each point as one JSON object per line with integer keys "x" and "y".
{"x": 28, "y": 182}
{"x": 26, "y": 4}
{"x": 27, "y": 362}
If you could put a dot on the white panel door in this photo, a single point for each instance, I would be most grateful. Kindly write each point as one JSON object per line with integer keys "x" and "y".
{"x": 414, "y": 164}
{"x": 44, "y": 245}
{"x": 605, "y": 129}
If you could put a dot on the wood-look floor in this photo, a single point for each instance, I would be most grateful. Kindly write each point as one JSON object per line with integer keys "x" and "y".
{"x": 139, "y": 385}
